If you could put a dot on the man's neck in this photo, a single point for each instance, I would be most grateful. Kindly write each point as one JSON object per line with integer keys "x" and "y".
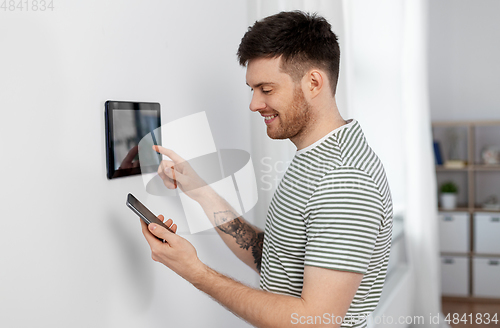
{"x": 320, "y": 126}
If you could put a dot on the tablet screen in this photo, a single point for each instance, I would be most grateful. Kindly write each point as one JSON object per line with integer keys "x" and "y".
{"x": 126, "y": 124}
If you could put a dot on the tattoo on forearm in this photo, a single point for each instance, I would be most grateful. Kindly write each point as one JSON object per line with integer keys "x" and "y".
{"x": 230, "y": 224}
{"x": 257, "y": 250}
{"x": 245, "y": 236}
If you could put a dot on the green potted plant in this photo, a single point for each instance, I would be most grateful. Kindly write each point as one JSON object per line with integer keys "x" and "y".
{"x": 449, "y": 191}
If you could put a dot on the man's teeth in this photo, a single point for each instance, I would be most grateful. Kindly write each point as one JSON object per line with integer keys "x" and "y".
{"x": 268, "y": 118}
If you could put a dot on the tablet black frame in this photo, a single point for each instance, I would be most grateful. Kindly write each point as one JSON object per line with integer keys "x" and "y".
{"x": 110, "y": 107}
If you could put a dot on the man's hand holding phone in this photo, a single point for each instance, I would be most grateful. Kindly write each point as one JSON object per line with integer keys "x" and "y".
{"x": 166, "y": 246}
{"x": 175, "y": 252}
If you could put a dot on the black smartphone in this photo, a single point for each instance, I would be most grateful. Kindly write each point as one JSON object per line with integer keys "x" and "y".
{"x": 144, "y": 213}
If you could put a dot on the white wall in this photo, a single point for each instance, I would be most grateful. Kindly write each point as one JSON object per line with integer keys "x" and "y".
{"x": 463, "y": 60}
{"x": 71, "y": 253}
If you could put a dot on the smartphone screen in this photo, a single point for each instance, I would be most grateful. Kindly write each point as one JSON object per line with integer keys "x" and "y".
{"x": 143, "y": 212}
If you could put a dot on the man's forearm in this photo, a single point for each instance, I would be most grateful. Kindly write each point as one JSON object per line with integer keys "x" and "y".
{"x": 244, "y": 240}
{"x": 259, "y": 308}
{"x": 247, "y": 238}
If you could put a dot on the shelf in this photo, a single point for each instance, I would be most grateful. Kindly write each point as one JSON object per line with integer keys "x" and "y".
{"x": 456, "y": 254}
{"x": 476, "y": 181}
{"x": 475, "y": 167}
{"x": 466, "y": 123}
{"x": 469, "y": 210}
{"x": 483, "y": 210}
{"x": 469, "y": 254}
{"x": 469, "y": 299}
{"x": 482, "y": 167}
{"x": 458, "y": 209}
{"x": 442, "y": 168}
{"x": 484, "y": 255}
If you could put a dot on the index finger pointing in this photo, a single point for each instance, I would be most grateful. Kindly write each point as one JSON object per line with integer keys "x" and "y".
{"x": 168, "y": 152}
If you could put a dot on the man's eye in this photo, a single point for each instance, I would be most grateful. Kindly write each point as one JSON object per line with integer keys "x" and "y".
{"x": 266, "y": 91}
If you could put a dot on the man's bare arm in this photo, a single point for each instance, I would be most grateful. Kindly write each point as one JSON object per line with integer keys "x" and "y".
{"x": 244, "y": 239}
{"x": 327, "y": 294}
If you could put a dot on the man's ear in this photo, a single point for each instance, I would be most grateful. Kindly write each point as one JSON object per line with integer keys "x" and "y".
{"x": 314, "y": 81}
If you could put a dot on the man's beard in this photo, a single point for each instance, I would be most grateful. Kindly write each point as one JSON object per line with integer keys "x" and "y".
{"x": 294, "y": 120}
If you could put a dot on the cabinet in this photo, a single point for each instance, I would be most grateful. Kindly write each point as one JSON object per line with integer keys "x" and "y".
{"x": 487, "y": 233}
{"x": 455, "y": 275}
{"x": 470, "y": 233}
{"x": 486, "y": 272}
{"x": 454, "y": 232}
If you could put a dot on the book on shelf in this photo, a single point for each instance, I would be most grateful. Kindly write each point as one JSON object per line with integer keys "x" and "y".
{"x": 455, "y": 164}
{"x": 437, "y": 153}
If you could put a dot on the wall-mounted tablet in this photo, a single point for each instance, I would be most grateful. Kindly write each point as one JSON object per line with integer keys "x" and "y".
{"x": 126, "y": 124}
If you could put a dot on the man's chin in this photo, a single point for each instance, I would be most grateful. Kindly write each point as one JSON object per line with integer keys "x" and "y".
{"x": 276, "y": 135}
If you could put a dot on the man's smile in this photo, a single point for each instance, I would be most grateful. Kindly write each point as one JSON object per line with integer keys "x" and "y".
{"x": 269, "y": 118}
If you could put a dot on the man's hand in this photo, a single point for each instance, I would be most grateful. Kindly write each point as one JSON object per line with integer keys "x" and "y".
{"x": 178, "y": 173}
{"x": 244, "y": 240}
{"x": 176, "y": 253}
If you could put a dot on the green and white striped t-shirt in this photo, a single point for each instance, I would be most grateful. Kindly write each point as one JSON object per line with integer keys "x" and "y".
{"x": 333, "y": 210}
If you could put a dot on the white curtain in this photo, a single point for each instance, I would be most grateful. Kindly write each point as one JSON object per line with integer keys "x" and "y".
{"x": 421, "y": 217}
{"x": 388, "y": 93}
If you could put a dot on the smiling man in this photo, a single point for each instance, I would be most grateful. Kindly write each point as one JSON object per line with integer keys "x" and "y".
{"x": 324, "y": 252}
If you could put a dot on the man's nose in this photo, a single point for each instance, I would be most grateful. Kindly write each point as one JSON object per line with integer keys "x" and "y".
{"x": 257, "y": 103}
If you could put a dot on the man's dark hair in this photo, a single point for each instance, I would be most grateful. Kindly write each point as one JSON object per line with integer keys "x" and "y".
{"x": 303, "y": 41}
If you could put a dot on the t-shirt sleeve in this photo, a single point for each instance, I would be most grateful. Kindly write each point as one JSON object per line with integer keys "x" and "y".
{"x": 343, "y": 220}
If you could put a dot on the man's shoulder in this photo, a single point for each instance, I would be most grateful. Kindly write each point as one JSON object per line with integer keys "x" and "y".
{"x": 344, "y": 143}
